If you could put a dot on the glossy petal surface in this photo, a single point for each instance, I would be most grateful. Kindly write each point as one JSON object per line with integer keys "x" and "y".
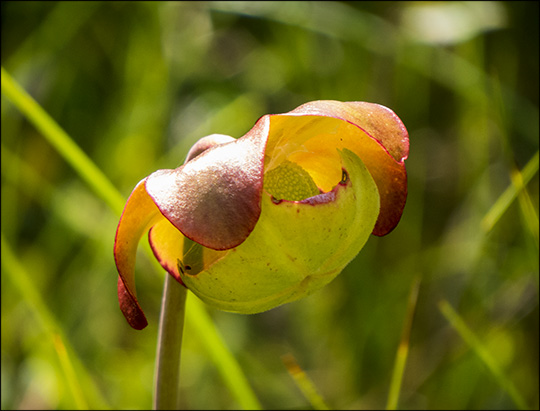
{"x": 215, "y": 198}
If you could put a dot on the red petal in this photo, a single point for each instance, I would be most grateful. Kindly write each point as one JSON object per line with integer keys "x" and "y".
{"x": 215, "y": 198}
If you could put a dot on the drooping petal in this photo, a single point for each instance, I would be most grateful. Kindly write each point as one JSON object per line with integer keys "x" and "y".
{"x": 140, "y": 213}
{"x": 296, "y": 247}
{"x": 214, "y": 199}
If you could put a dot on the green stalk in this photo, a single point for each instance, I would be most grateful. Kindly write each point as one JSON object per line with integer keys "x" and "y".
{"x": 171, "y": 330}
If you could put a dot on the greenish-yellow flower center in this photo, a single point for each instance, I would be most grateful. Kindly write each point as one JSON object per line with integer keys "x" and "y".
{"x": 289, "y": 181}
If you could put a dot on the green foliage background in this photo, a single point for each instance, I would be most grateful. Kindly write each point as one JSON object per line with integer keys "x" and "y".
{"x": 135, "y": 84}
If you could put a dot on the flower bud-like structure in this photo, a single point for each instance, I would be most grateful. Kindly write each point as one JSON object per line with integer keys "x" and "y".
{"x": 252, "y": 223}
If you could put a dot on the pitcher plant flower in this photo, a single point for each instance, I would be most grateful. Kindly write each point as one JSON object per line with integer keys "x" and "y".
{"x": 251, "y": 223}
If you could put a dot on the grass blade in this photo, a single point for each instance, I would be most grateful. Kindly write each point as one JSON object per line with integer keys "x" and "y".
{"x": 12, "y": 267}
{"x": 527, "y": 208}
{"x": 61, "y": 141}
{"x": 227, "y": 365}
{"x": 510, "y": 194}
{"x": 403, "y": 349}
{"x": 482, "y": 352}
{"x": 304, "y": 383}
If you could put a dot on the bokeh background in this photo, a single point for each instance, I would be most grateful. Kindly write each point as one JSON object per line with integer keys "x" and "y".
{"x": 135, "y": 84}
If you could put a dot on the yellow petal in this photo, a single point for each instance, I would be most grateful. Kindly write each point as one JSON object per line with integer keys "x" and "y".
{"x": 140, "y": 213}
{"x": 310, "y": 133}
{"x": 168, "y": 244}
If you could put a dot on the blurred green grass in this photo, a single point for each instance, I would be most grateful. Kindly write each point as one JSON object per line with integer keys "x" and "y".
{"x": 135, "y": 84}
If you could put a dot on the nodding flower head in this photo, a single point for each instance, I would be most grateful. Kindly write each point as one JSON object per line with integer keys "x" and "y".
{"x": 251, "y": 223}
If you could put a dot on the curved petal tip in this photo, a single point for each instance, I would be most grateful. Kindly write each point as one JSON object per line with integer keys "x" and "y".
{"x": 130, "y": 307}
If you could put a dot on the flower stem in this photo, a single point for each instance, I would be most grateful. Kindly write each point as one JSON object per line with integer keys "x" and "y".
{"x": 171, "y": 329}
